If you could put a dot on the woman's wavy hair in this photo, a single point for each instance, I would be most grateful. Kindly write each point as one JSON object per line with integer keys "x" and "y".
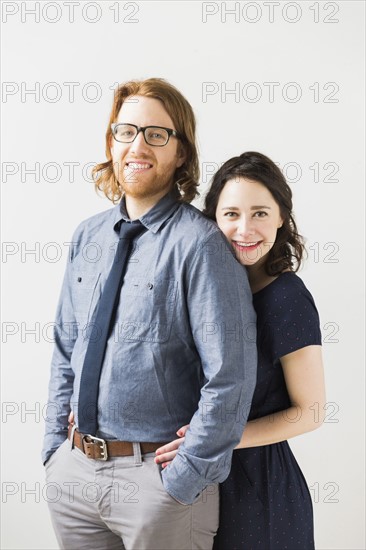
{"x": 186, "y": 176}
{"x": 288, "y": 249}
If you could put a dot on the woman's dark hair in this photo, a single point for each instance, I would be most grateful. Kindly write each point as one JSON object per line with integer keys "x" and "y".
{"x": 288, "y": 250}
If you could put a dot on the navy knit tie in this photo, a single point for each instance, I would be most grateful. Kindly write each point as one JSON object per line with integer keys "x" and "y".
{"x": 104, "y": 321}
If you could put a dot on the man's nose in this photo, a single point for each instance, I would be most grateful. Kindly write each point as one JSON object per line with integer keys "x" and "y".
{"x": 139, "y": 144}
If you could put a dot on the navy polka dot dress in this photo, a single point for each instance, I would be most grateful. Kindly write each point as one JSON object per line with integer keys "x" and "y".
{"x": 265, "y": 503}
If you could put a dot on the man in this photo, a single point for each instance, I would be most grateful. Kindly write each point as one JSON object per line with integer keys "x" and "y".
{"x": 144, "y": 346}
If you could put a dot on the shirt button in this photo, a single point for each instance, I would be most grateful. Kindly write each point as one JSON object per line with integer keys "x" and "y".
{"x": 150, "y": 286}
{"x": 79, "y": 279}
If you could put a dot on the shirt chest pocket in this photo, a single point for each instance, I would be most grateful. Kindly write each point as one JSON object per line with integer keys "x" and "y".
{"x": 146, "y": 309}
{"x": 84, "y": 296}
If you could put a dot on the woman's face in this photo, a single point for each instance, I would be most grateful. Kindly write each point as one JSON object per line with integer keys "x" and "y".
{"x": 249, "y": 217}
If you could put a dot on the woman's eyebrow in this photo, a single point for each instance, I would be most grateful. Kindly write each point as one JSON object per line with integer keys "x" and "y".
{"x": 252, "y": 207}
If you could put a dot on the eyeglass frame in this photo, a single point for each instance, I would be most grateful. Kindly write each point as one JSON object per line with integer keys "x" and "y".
{"x": 142, "y": 129}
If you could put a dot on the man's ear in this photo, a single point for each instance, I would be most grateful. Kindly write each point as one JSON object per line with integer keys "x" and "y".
{"x": 181, "y": 155}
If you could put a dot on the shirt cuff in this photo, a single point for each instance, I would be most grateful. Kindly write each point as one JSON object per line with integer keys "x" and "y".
{"x": 182, "y": 483}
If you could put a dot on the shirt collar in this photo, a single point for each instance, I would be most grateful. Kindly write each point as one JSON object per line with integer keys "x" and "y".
{"x": 156, "y": 216}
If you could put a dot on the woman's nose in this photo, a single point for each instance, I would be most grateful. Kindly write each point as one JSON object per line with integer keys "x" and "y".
{"x": 245, "y": 226}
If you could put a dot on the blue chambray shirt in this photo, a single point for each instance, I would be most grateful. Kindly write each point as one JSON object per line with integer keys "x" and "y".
{"x": 183, "y": 347}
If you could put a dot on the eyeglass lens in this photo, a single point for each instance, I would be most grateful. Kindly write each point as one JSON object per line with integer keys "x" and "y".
{"x": 126, "y": 133}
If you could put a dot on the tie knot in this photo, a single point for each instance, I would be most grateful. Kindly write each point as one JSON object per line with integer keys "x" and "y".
{"x": 131, "y": 230}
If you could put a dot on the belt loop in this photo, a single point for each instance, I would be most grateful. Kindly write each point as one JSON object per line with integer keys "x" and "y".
{"x": 137, "y": 454}
{"x": 72, "y": 437}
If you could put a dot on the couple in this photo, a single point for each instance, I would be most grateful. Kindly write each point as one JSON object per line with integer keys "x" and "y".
{"x": 158, "y": 333}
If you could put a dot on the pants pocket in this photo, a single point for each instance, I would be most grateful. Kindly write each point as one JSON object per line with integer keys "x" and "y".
{"x": 53, "y": 458}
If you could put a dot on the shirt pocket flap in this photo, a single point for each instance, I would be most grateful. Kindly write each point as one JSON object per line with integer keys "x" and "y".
{"x": 147, "y": 309}
{"x": 84, "y": 295}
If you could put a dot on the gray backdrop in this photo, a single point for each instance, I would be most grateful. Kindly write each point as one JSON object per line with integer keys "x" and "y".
{"x": 283, "y": 78}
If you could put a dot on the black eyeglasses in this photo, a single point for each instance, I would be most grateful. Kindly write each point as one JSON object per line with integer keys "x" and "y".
{"x": 157, "y": 136}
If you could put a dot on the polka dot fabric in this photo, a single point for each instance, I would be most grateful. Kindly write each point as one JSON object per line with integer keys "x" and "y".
{"x": 265, "y": 503}
{"x": 288, "y": 319}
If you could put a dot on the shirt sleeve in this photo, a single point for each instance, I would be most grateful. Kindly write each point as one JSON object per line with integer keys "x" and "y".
{"x": 223, "y": 325}
{"x": 62, "y": 377}
{"x": 293, "y": 321}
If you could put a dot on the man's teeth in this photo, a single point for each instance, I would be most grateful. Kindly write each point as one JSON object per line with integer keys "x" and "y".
{"x": 138, "y": 165}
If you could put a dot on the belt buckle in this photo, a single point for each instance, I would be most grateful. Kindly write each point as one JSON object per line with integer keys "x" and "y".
{"x": 101, "y": 443}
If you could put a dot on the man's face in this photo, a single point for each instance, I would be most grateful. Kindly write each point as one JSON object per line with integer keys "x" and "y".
{"x": 145, "y": 172}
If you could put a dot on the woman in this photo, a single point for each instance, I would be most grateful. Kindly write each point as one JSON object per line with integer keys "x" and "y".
{"x": 265, "y": 502}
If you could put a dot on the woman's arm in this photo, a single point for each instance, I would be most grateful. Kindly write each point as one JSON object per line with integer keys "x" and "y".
{"x": 304, "y": 376}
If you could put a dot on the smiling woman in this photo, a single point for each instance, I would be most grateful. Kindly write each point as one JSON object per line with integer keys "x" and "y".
{"x": 265, "y": 485}
{"x": 261, "y": 201}
{"x": 251, "y": 225}
{"x": 265, "y": 503}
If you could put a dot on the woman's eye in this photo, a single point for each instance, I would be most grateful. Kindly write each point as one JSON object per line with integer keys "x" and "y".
{"x": 260, "y": 214}
{"x": 230, "y": 214}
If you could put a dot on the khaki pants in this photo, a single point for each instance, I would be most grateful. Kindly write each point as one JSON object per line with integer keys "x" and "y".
{"x": 122, "y": 504}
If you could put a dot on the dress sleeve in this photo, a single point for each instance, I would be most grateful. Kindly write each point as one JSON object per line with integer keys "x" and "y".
{"x": 292, "y": 320}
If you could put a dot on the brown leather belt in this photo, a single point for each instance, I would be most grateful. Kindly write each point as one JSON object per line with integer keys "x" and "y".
{"x": 99, "y": 449}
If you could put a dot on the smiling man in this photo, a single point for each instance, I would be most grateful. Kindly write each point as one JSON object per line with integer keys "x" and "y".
{"x": 157, "y": 332}
{"x": 145, "y": 167}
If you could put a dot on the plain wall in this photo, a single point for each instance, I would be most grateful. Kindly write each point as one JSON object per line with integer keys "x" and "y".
{"x": 282, "y": 78}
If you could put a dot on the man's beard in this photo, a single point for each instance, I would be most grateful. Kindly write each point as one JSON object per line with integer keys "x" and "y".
{"x": 142, "y": 186}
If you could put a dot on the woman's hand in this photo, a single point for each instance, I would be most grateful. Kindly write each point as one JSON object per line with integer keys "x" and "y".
{"x": 71, "y": 418}
{"x": 166, "y": 453}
